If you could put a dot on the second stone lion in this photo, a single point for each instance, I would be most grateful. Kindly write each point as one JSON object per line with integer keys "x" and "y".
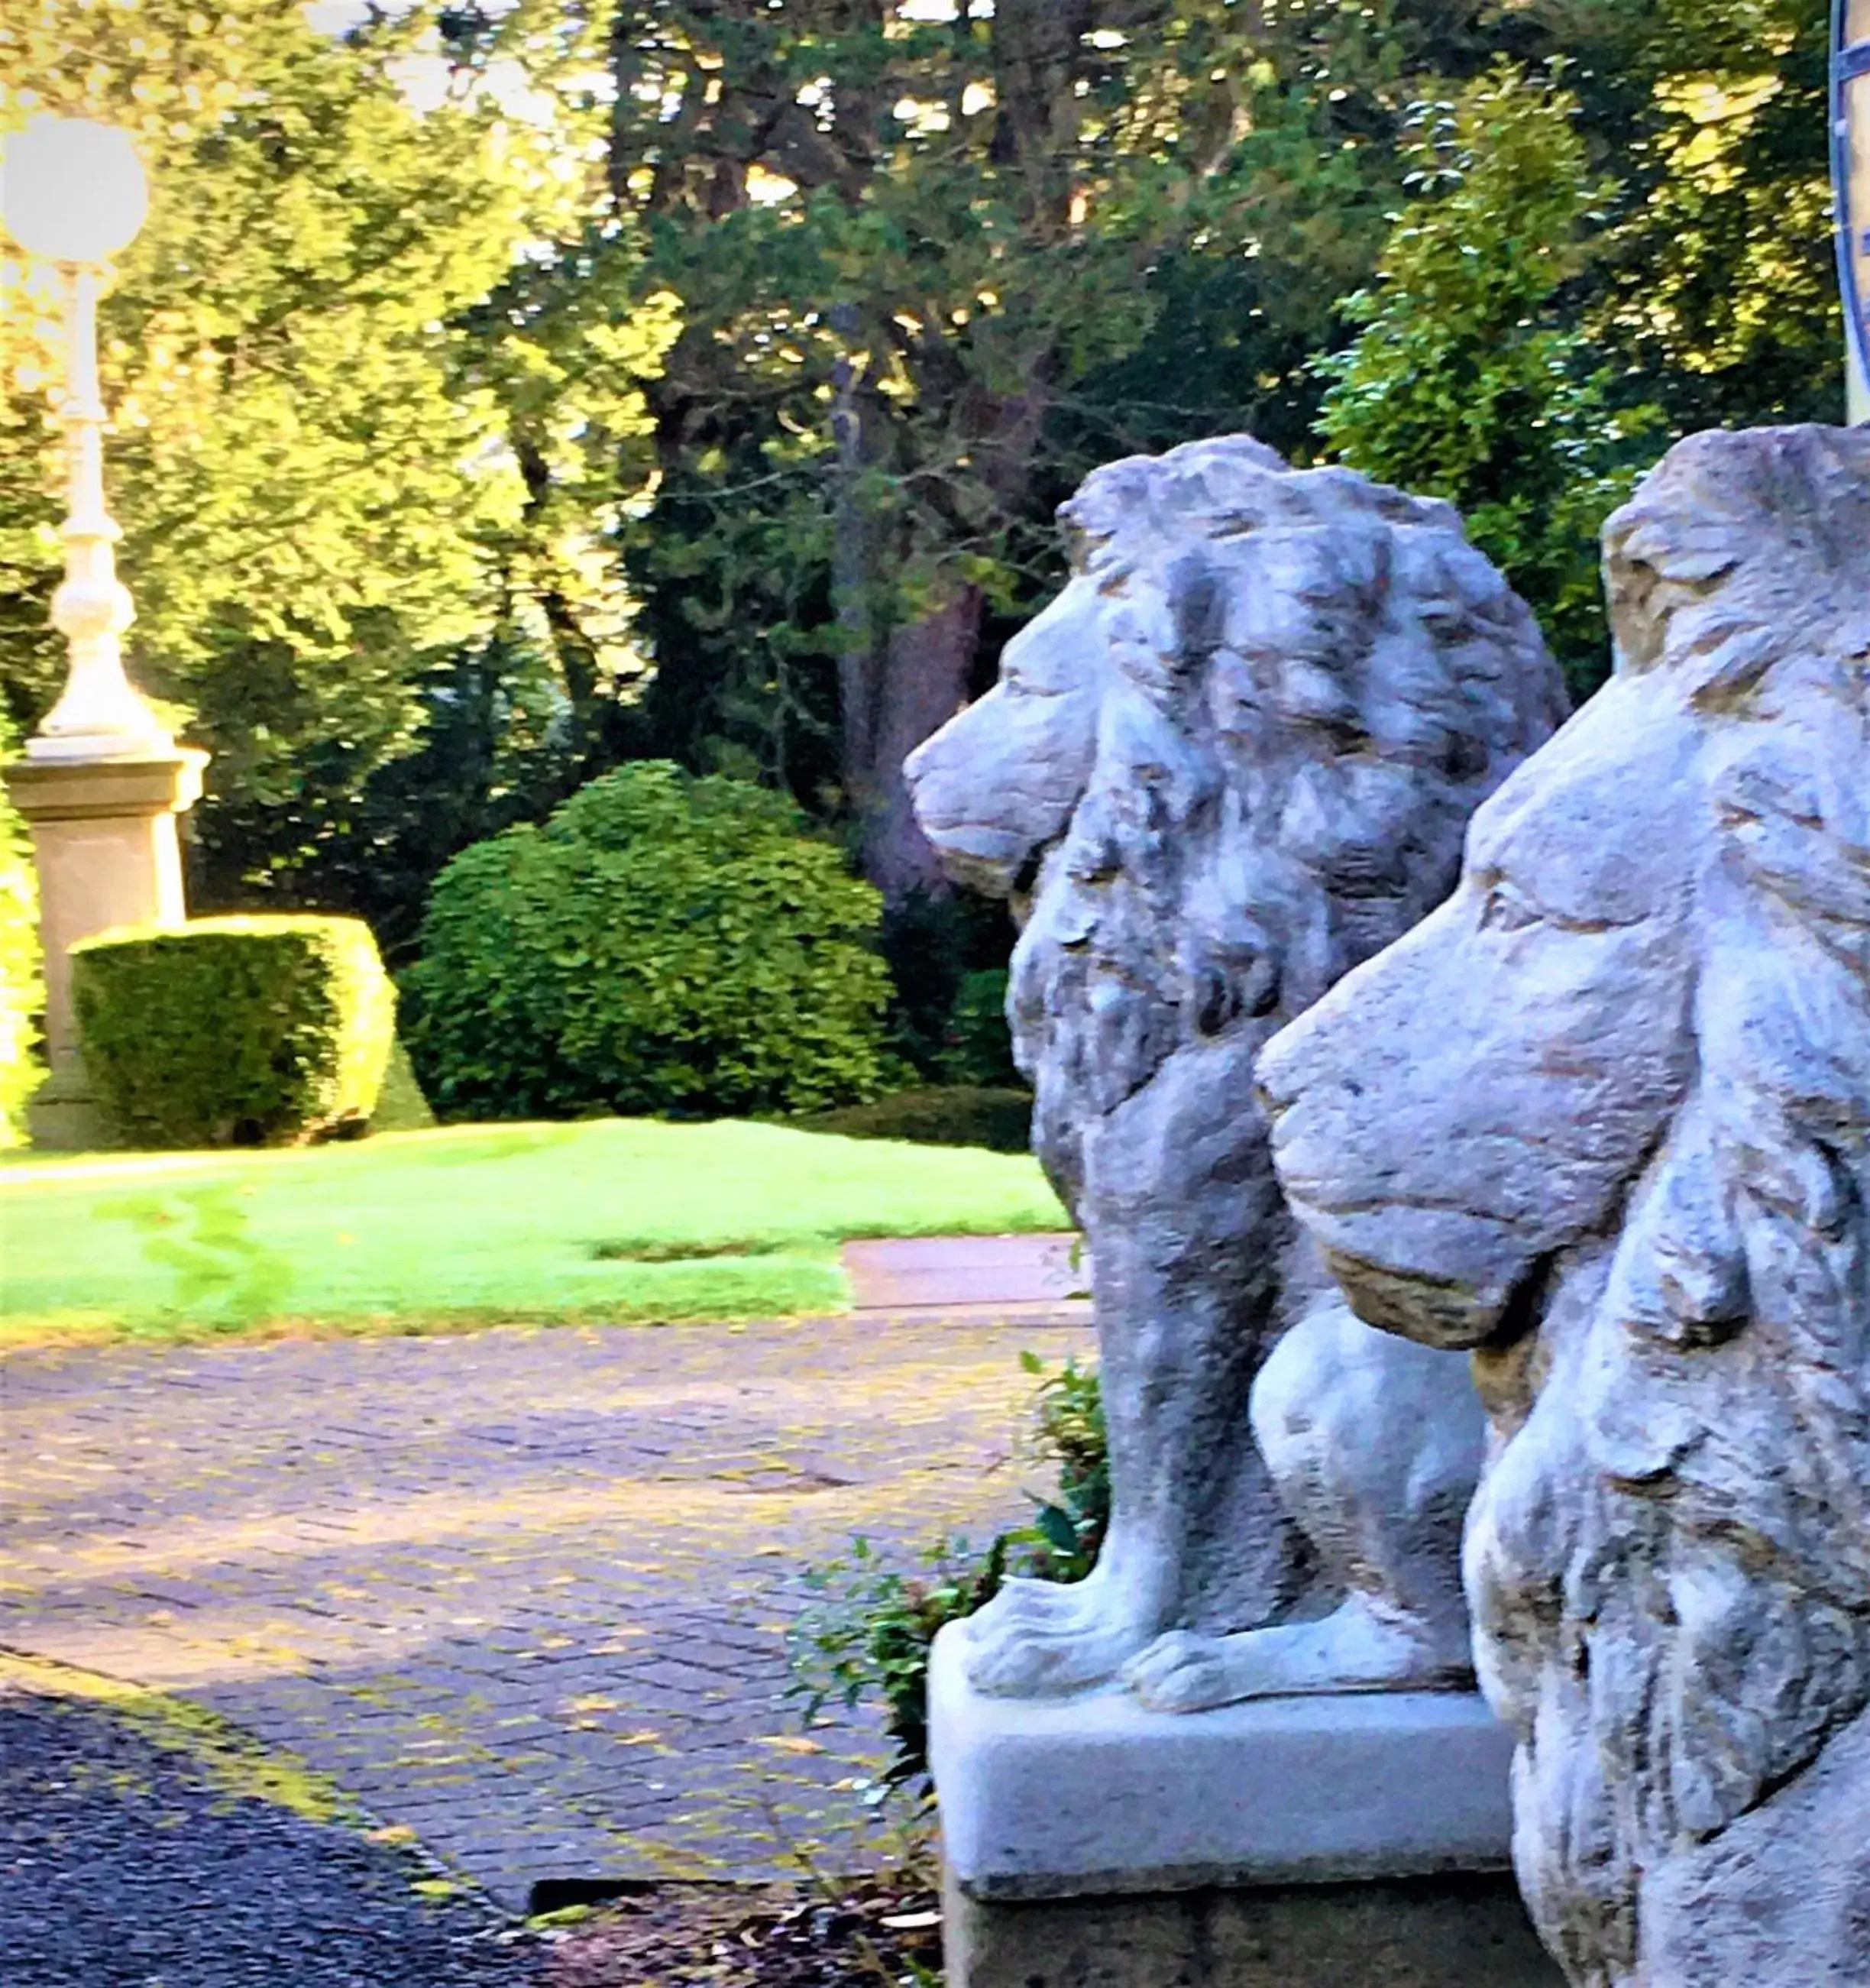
{"x": 1233, "y": 759}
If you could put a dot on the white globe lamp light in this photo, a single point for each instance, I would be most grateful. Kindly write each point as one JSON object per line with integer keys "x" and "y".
{"x": 75, "y": 191}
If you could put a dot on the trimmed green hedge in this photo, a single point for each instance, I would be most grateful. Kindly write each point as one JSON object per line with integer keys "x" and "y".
{"x": 235, "y": 1031}
{"x": 400, "y": 1105}
{"x": 951, "y": 1115}
{"x": 663, "y": 943}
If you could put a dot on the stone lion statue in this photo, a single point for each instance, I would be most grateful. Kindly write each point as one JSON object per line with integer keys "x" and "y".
{"x": 1235, "y": 756}
{"x": 1605, "y": 1118}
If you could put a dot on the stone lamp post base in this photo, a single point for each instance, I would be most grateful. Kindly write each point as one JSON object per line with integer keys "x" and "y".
{"x": 104, "y": 842}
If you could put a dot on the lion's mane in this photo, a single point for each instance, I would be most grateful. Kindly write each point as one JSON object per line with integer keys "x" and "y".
{"x": 1704, "y": 1623}
{"x": 1312, "y": 681}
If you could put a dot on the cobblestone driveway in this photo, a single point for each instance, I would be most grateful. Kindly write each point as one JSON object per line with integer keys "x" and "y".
{"x": 524, "y": 1591}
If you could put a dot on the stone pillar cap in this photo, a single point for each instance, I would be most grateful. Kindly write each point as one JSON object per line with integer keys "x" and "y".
{"x": 73, "y": 789}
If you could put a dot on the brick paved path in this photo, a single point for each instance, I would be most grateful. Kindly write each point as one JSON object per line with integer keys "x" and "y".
{"x": 524, "y": 1591}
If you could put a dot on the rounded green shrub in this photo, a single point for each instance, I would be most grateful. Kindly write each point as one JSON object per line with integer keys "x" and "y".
{"x": 234, "y": 1031}
{"x": 663, "y": 943}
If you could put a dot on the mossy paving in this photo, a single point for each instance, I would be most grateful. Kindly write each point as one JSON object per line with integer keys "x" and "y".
{"x": 525, "y": 1592}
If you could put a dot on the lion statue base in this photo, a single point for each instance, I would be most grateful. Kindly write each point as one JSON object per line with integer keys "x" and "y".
{"x": 1605, "y": 1119}
{"x": 1235, "y": 756}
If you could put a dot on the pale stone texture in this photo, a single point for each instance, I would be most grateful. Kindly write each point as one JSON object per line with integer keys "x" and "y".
{"x": 1096, "y": 1795}
{"x": 1341, "y": 1841}
{"x": 1604, "y": 1118}
{"x": 104, "y": 845}
{"x": 1434, "y": 1932}
{"x": 1233, "y": 758}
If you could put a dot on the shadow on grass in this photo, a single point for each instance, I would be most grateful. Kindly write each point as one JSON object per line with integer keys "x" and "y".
{"x": 202, "y": 1240}
{"x": 651, "y": 1250}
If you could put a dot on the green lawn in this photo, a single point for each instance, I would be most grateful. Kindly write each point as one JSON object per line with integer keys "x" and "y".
{"x": 611, "y": 1219}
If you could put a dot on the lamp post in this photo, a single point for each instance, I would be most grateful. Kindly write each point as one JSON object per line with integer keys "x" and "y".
{"x": 101, "y": 783}
{"x": 74, "y": 196}
{"x": 1851, "y": 170}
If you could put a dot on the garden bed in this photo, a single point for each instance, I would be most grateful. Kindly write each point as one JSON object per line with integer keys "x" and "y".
{"x": 821, "y": 1936}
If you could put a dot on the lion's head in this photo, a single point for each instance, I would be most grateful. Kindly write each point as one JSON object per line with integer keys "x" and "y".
{"x": 1605, "y": 1116}
{"x": 996, "y": 788}
{"x": 1235, "y": 756}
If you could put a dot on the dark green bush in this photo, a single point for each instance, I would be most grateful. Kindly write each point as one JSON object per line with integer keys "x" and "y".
{"x": 20, "y": 992}
{"x": 953, "y": 1115}
{"x": 235, "y": 1031}
{"x": 945, "y": 1021}
{"x": 663, "y": 943}
{"x": 866, "y": 1638}
{"x": 977, "y": 1046}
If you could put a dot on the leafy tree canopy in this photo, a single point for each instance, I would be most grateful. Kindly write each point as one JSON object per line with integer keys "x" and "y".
{"x": 1596, "y": 258}
{"x": 313, "y": 452}
{"x": 1467, "y": 380}
{"x": 927, "y": 255}
{"x": 509, "y": 390}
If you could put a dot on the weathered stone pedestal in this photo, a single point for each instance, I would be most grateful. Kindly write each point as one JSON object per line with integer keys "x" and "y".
{"x": 104, "y": 842}
{"x": 1332, "y": 1842}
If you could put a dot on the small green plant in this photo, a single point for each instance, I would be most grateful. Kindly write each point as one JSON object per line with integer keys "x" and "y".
{"x": 1068, "y": 1433}
{"x": 235, "y": 1031}
{"x": 866, "y": 1637}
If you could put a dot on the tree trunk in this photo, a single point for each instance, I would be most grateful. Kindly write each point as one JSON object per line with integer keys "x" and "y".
{"x": 897, "y": 684}
{"x": 919, "y": 684}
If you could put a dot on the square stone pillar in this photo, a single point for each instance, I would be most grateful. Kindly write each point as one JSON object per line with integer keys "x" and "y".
{"x": 104, "y": 843}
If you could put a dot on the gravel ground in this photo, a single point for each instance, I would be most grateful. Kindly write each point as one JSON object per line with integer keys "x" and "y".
{"x": 124, "y": 1864}
{"x": 129, "y": 1863}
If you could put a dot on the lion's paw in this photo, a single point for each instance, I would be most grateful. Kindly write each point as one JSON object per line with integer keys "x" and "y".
{"x": 1354, "y": 1649}
{"x": 1183, "y": 1671}
{"x": 1038, "y": 1639}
